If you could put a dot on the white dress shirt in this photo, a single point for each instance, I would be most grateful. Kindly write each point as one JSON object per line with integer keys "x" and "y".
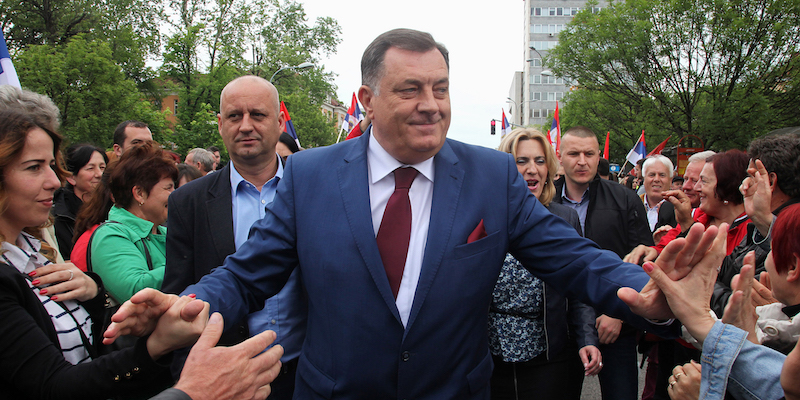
{"x": 381, "y": 186}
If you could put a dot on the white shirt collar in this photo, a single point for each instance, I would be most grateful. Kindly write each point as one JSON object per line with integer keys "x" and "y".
{"x": 381, "y": 163}
{"x": 24, "y": 258}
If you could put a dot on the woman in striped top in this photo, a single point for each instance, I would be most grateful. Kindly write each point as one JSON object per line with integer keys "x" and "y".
{"x": 51, "y": 314}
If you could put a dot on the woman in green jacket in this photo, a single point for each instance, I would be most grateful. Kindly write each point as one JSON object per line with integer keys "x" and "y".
{"x": 129, "y": 250}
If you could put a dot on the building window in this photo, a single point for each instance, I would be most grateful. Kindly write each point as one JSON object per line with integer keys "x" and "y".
{"x": 175, "y": 107}
{"x": 536, "y": 62}
{"x": 536, "y": 96}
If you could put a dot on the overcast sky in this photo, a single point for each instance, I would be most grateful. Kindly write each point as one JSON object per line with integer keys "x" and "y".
{"x": 484, "y": 39}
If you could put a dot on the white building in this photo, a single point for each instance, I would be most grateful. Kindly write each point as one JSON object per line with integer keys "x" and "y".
{"x": 535, "y": 97}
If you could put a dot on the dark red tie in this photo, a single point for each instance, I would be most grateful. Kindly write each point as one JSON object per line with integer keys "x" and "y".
{"x": 395, "y": 231}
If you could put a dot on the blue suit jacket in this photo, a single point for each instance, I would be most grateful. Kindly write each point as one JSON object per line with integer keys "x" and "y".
{"x": 356, "y": 347}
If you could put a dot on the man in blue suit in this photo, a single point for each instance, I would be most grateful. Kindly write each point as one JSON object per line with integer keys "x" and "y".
{"x": 374, "y": 332}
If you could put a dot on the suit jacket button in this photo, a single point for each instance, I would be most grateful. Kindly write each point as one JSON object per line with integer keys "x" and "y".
{"x": 406, "y": 355}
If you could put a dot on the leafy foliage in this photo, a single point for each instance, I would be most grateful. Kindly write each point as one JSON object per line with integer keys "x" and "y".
{"x": 725, "y": 71}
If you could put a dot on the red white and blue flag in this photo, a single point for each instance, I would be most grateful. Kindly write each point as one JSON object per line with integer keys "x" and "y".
{"x": 554, "y": 136}
{"x": 353, "y": 116}
{"x": 289, "y": 125}
{"x": 8, "y": 75}
{"x": 505, "y": 127}
{"x": 638, "y": 151}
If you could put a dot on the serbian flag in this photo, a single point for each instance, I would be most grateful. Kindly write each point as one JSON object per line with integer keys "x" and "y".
{"x": 8, "y": 75}
{"x": 353, "y": 116}
{"x": 638, "y": 151}
{"x": 290, "y": 125}
{"x": 506, "y": 127}
{"x": 605, "y": 148}
{"x": 659, "y": 148}
{"x": 554, "y": 136}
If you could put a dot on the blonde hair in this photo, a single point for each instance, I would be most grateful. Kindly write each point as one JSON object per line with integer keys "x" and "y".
{"x": 509, "y": 145}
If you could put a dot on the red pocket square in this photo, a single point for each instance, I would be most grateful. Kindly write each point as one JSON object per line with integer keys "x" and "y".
{"x": 478, "y": 234}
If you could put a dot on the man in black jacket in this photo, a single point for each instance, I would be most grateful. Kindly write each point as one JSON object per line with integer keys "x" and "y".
{"x": 613, "y": 217}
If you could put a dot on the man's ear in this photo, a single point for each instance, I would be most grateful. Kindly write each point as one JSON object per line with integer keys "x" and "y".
{"x": 773, "y": 179}
{"x": 365, "y": 96}
{"x": 793, "y": 274}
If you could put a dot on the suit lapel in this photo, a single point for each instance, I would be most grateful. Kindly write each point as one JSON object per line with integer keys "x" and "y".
{"x": 353, "y": 179}
{"x": 219, "y": 213}
{"x": 448, "y": 179}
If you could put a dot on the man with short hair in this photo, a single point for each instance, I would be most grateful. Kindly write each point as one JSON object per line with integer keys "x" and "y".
{"x": 406, "y": 315}
{"x": 201, "y": 159}
{"x": 615, "y": 219}
{"x": 210, "y": 218}
{"x": 215, "y": 151}
{"x": 130, "y": 133}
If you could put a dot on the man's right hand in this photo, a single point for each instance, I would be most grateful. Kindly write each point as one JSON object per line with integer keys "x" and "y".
{"x": 139, "y": 315}
{"x": 608, "y": 329}
{"x": 243, "y": 371}
{"x": 640, "y": 254}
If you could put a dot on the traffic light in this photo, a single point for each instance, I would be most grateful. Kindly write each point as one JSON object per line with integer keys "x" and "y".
{"x": 492, "y": 127}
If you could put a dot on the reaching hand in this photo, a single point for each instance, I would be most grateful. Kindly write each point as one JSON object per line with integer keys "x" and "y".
{"x": 683, "y": 208}
{"x": 758, "y": 196}
{"x": 659, "y": 233}
{"x": 607, "y": 329}
{"x": 66, "y": 282}
{"x": 179, "y": 327}
{"x": 640, "y": 254}
{"x": 740, "y": 311}
{"x": 592, "y": 360}
{"x": 139, "y": 315}
{"x": 762, "y": 291}
{"x": 682, "y": 278}
{"x": 243, "y": 371}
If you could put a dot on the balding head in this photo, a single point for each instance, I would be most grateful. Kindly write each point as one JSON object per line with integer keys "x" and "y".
{"x": 257, "y": 83}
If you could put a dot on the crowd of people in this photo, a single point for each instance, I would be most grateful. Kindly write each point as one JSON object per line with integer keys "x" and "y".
{"x": 398, "y": 264}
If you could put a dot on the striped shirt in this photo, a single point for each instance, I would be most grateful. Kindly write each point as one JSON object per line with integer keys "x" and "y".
{"x": 69, "y": 318}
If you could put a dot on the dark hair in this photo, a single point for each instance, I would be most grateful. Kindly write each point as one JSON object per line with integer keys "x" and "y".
{"x": 13, "y": 136}
{"x": 785, "y": 240}
{"x": 143, "y": 166}
{"x": 781, "y": 155}
{"x": 119, "y": 132}
{"x": 212, "y": 148}
{"x": 603, "y": 167}
{"x": 78, "y": 155}
{"x": 289, "y": 141}
{"x": 677, "y": 178}
{"x": 580, "y": 132}
{"x": 189, "y": 171}
{"x": 730, "y": 169}
{"x": 405, "y": 39}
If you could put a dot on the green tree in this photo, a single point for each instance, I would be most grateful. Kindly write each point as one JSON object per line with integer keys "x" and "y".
{"x": 725, "y": 71}
{"x": 89, "y": 88}
{"x": 207, "y": 50}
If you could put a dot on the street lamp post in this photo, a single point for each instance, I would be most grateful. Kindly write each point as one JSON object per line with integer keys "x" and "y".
{"x": 304, "y": 65}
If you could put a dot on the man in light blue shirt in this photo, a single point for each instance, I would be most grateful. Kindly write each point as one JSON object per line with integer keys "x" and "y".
{"x": 210, "y": 218}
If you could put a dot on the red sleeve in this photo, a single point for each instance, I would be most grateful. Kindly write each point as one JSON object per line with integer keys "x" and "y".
{"x": 356, "y": 132}
{"x": 668, "y": 237}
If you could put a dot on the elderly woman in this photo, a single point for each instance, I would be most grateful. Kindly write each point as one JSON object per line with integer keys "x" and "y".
{"x": 49, "y": 343}
{"x": 542, "y": 343}
{"x": 86, "y": 163}
{"x": 129, "y": 249}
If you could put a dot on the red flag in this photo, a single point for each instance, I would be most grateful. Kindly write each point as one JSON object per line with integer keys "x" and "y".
{"x": 605, "y": 149}
{"x": 659, "y": 148}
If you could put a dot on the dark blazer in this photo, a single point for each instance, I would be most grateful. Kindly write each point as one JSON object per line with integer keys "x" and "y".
{"x": 616, "y": 219}
{"x": 666, "y": 215}
{"x": 31, "y": 363}
{"x": 356, "y": 346}
{"x": 202, "y": 205}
